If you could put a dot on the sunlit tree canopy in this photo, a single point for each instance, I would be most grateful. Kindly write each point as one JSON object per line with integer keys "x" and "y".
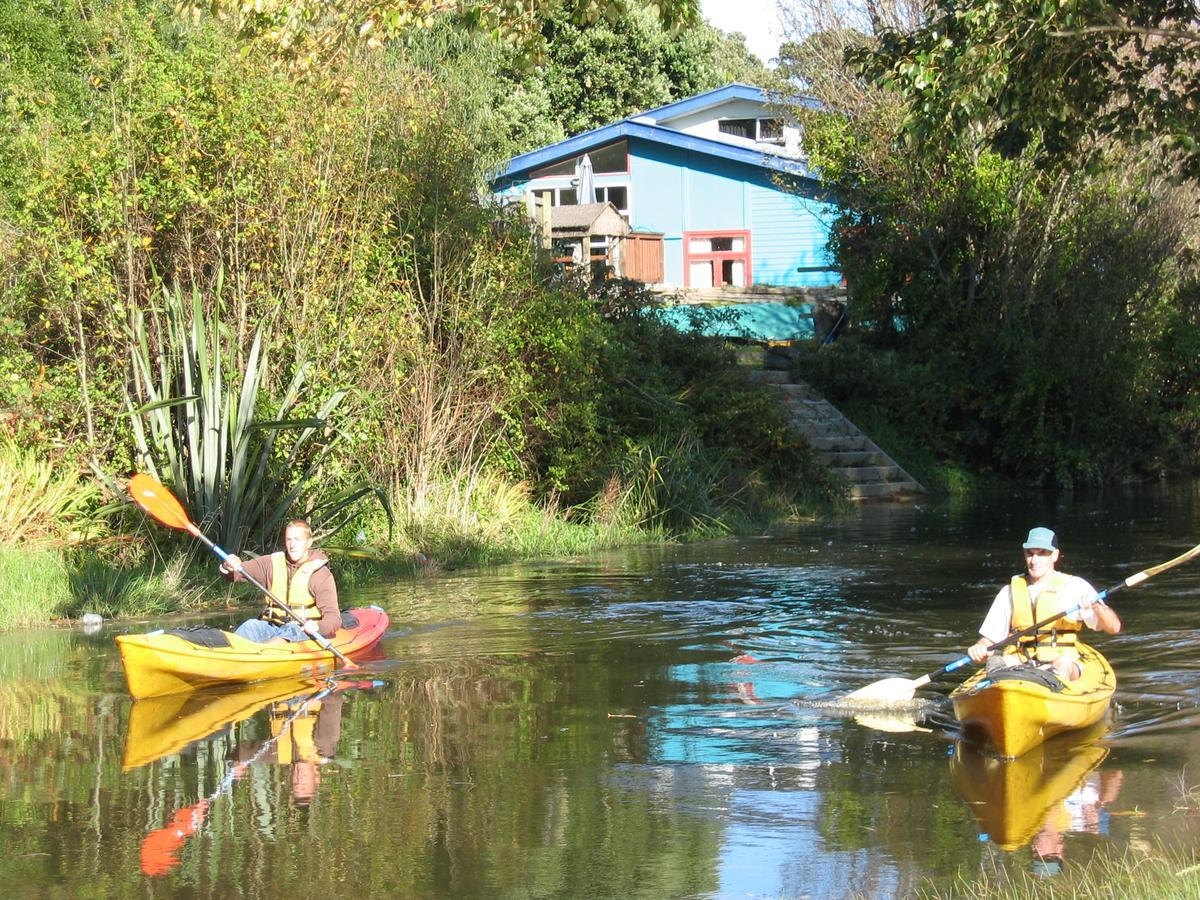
{"x": 305, "y": 33}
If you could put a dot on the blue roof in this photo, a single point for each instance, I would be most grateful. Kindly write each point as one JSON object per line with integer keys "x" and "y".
{"x": 634, "y": 126}
{"x": 599, "y": 137}
{"x": 732, "y": 91}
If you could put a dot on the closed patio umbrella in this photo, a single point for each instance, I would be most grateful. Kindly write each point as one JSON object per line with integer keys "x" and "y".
{"x": 586, "y": 192}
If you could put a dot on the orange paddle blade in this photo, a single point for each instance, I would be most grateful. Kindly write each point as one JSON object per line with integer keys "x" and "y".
{"x": 156, "y": 501}
{"x": 160, "y": 848}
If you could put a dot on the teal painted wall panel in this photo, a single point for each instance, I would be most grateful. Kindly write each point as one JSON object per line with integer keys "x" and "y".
{"x": 658, "y": 199}
{"x": 718, "y": 195}
{"x": 790, "y": 232}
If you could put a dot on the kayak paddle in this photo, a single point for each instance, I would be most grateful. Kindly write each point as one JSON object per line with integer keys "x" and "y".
{"x": 900, "y": 690}
{"x": 160, "y": 504}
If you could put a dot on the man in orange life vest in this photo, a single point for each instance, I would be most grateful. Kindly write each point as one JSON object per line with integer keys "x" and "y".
{"x": 300, "y": 577}
{"x": 1030, "y": 598}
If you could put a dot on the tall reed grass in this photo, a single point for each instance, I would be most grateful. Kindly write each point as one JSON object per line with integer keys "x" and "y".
{"x": 41, "y": 500}
{"x": 476, "y": 518}
{"x": 34, "y": 586}
{"x": 42, "y": 585}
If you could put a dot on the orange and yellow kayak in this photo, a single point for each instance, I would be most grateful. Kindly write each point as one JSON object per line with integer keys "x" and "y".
{"x": 162, "y": 662}
{"x": 1010, "y": 716}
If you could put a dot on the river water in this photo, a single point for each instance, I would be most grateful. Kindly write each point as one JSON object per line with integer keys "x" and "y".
{"x": 648, "y": 723}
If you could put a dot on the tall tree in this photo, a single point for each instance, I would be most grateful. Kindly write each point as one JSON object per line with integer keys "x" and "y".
{"x": 597, "y": 72}
{"x": 589, "y": 74}
{"x": 1056, "y": 76}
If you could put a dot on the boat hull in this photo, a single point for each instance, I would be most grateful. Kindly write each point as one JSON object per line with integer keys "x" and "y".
{"x": 157, "y": 663}
{"x": 1010, "y": 716}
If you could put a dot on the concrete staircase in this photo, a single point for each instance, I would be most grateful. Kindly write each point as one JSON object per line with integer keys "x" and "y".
{"x": 871, "y": 473}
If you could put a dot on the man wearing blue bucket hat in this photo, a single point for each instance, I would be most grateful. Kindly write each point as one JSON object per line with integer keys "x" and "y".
{"x": 1033, "y": 597}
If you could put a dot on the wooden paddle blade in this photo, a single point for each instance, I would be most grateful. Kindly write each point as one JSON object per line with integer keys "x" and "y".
{"x": 1162, "y": 567}
{"x": 889, "y": 690}
{"x": 159, "y": 503}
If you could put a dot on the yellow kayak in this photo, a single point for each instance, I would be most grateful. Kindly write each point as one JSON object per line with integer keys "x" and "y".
{"x": 1010, "y": 715}
{"x": 166, "y": 662}
{"x": 1011, "y": 798}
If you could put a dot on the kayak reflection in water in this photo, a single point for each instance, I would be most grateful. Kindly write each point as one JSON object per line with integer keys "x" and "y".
{"x": 305, "y": 730}
{"x": 1038, "y": 595}
{"x": 1081, "y": 812}
{"x": 299, "y": 576}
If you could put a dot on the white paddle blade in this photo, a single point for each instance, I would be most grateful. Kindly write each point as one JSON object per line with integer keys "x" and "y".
{"x": 895, "y": 723}
{"x": 889, "y": 690}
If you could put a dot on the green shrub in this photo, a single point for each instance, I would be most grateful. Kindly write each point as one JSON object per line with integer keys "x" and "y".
{"x": 1017, "y": 319}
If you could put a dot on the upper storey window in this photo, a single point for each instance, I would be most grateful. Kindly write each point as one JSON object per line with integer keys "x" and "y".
{"x": 765, "y": 131}
{"x": 609, "y": 159}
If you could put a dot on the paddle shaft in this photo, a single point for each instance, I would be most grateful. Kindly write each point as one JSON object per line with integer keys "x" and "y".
{"x": 241, "y": 570}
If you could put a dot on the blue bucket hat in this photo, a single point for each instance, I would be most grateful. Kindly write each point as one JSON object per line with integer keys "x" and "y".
{"x": 1041, "y": 539}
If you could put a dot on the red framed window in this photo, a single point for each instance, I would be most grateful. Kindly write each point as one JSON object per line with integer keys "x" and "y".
{"x": 716, "y": 259}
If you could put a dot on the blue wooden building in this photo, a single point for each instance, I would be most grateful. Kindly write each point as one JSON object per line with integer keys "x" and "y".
{"x": 701, "y": 177}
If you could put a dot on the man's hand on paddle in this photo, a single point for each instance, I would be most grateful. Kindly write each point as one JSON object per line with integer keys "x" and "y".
{"x": 230, "y": 563}
{"x": 979, "y": 651}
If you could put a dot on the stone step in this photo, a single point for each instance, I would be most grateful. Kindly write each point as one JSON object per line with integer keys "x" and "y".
{"x": 839, "y": 443}
{"x": 885, "y": 490}
{"x": 796, "y": 390}
{"x": 815, "y": 407}
{"x": 823, "y": 428}
{"x": 805, "y": 411}
{"x": 871, "y": 474}
{"x": 837, "y": 459}
{"x": 770, "y": 376}
{"x": 866, "y": 474}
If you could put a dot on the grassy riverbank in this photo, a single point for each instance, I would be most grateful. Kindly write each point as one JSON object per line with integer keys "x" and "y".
{"x": 158, "y": 573}
{"x": 41, "y": 585}
{"x": 1155, "y": 874}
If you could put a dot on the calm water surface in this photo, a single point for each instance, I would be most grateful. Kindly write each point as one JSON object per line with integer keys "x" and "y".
{"x": 650, "y": 723}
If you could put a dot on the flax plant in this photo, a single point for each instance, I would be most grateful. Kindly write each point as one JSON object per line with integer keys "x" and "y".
{"x": 197, "y": 430}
